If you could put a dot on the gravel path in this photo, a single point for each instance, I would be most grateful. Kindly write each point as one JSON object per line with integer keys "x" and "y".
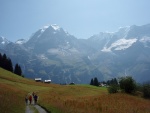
{"x": 31, "y": 108}
{"x": 39, "y": 108}
{"x": 28, "y": 110}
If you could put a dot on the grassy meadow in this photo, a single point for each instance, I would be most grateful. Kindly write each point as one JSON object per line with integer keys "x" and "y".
{"x": 65, "y": 98}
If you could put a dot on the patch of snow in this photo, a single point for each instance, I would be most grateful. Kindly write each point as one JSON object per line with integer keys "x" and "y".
{"x": 21, "y": 41}
{"x": 3, "y": 40}
{"x": 108, "y": 32}
{"x": 58, "y": 51}
{"x": 89, "y": 57}
{"x": 120, "y": 44}
{"x": 44, "y": 28}
{"x": 123, "y": 44}
{"x": 31, "y": 60}
{"x": 42, "y": 56}
{"x": 105, "y": 49}
{"x": 66, "y": 32}
{"x": 55, "y": 27}
{"x": 126, "y": 27}
{"x": 145, "y": 39}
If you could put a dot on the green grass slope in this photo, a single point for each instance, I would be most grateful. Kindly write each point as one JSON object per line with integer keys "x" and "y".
{"x": 65, "y": 98}
{"x": 13, "y": 89}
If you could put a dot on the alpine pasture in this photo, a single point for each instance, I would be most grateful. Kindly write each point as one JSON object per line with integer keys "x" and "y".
{"x": 65, "y": 98}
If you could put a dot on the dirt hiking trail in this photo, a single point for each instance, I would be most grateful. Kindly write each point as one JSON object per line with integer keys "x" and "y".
{"x": 33, "y": 108}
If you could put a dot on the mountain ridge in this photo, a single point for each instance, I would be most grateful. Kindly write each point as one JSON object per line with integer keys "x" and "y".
{"x": 64, "y": 58}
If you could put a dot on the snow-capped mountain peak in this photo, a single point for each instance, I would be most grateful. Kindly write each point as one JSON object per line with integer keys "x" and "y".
{"x": 55, "y": 27}
{"x": 3, "y": 40}
{"x": 52, "y": 27}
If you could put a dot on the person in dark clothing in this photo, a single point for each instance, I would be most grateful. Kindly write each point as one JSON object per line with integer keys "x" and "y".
{"x": 26, "y": 99}
{"x": 33, "y": 94}
{"x": 35, "y": 99}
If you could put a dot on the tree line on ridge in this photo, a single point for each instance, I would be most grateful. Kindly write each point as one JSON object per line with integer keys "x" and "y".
{"x": 6, "y": 63}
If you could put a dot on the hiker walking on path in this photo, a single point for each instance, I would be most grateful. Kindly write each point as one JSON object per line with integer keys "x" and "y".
{"x": 33, "y": 94}
{"x": 30, "y": 98}
{"x": 35, "y": 98}
{"x": 26, "y": 99}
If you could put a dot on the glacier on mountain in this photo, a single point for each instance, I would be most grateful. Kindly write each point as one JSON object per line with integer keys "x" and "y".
{"x": 120, "y": 44}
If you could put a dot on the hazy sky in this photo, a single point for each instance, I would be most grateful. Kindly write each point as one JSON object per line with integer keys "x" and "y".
{"x": 81, "y": 18}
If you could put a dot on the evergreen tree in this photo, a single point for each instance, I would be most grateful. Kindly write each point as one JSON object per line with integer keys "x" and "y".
{"x": 4, "y": 60}
{"x": 92, "y": 82}
{"x": 108, "y": 82}
{"x": 6, "y": 63}
{"x": 9, "y": 65}
{"x": 1, "y": 60}
{"x": 18, "y": 70}
{"x": 112, "y": 82}
{"x": 95, "y": 82}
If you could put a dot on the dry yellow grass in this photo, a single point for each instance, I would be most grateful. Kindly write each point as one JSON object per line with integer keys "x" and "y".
{"x": 65, "y": 98}
{"x": 102, "y": 103}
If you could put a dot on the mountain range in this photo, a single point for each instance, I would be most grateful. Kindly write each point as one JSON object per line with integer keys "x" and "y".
{"x": 53, "y": 53}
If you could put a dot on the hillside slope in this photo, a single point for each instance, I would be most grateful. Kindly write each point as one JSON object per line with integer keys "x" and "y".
{"x": 65, "y": 98}
{"x": 13, "y": 89}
